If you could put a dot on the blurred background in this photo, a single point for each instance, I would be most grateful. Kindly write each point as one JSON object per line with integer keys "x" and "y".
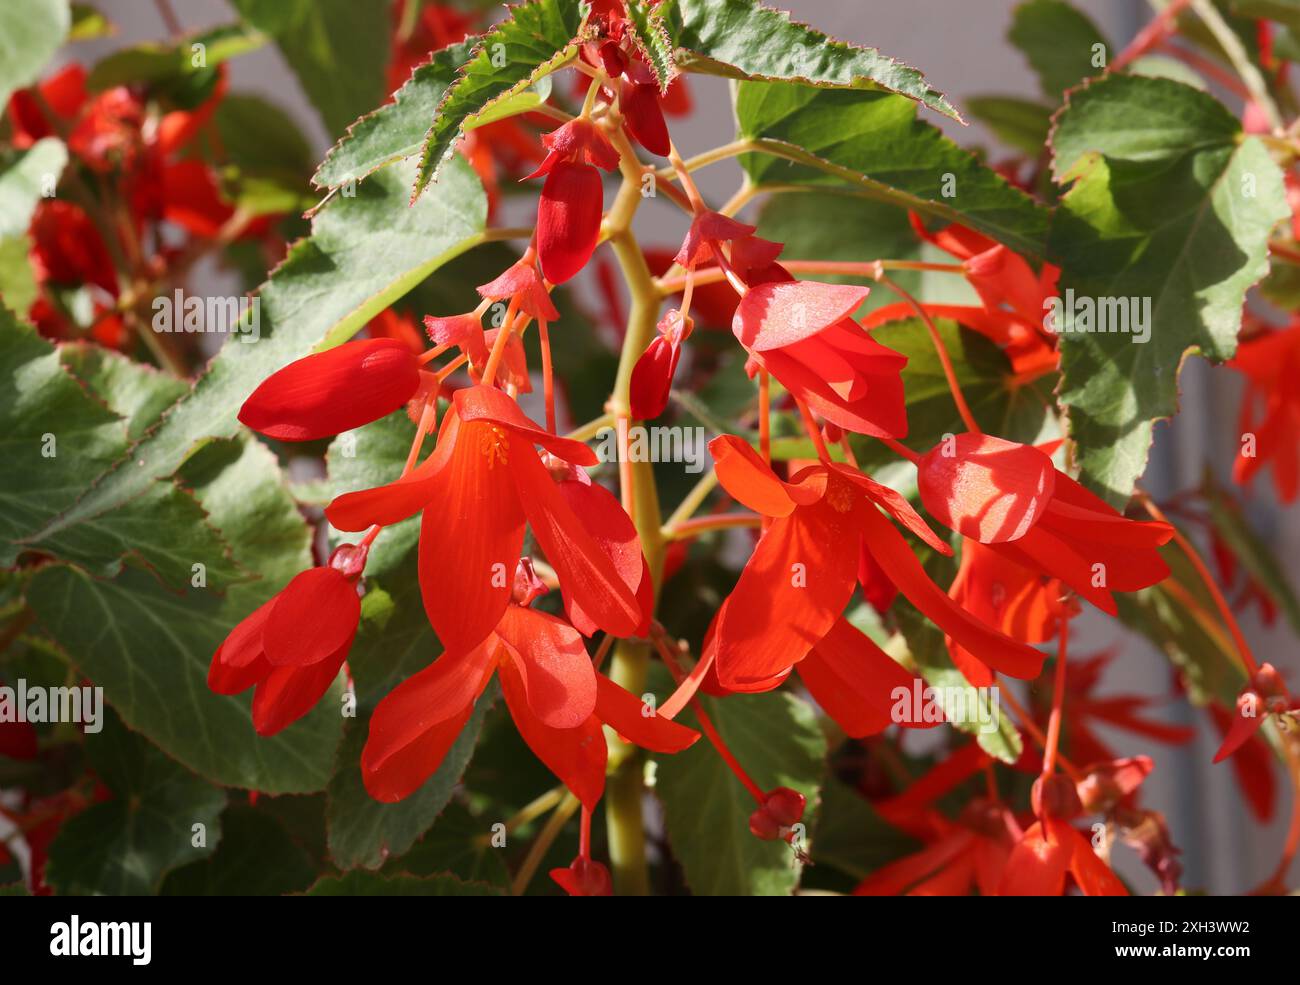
{"x": 962, "y": 48}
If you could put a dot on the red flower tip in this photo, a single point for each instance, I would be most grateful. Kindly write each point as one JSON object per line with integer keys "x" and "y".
{"x": 711, "y": 226}
{"x": 568, "y": 219}
{"x": 985, "y": 488}
{"x": 778, "y": 314}
{"x": 333, "y": 391}
{"x": 584, "y": 877}
{"x": 576, "y": 142}
{"x": 464, "y": 330}
{"x": 781, "y": 809}
{"x": 652, "y": 378}
{"x": 349, "y": 560}
{"x": 522, "y": 282}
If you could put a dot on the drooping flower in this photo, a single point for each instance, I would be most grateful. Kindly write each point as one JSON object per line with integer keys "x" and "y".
{"x": 1050, "y": 850}
{"x": 568, "y": 215}
{"x": 795, "y": 586}
{"x": 333, "y": 391}
{"x": 1011, "y": 498}
{"x": 290, "y": 648}
{"x": 652, "y": 376}
{"x": 483, "y": 483}
{"x": 558, "y": 701}
{"x": 802, "y": 333}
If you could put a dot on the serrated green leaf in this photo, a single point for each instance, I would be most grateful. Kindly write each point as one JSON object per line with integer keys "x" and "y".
{"x": 652, "y": 40}
{"x": 338, "y": 49}
{"x": 872, "y": 144}
{"x": 184, "y": 70}
{"x": 1061, "y": 44}
{"x": 150, "y": 647}
{"x": 1170, "y": 202}
{"x": 125, "y": 847}
{"x": 30, "y": 33}
{"x": 365, "y": 252}
{"x": 358, "y": 882}
{"x": 256, "y": 857}
{"x": 1019, "y": 123}
{"x": 706, "y": 810}
{"x": 535, "y": 40}
{"x": 89, "y": 24}
{"x": 742, "y": 39}
{"x": 134, "y": 391}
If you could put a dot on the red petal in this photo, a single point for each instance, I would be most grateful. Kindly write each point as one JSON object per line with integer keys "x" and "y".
{"x": 896, "y": 505}
{"x": 779, "y": 314}
{"x": 396, "y": 501}
{"x": 568, "y": 220}
{"x": 470, "y": 538}
{"x": 522, "y": 282}
{"x": 1243, "y": 725}
{"x": 485, "y": 403}
{"x": 552, "y": 659}
{"x": 1036, "y": 866}
{"x": 615, "y": 532}
{"x": 644, "y": 118}
{"x": 240, "y": 662}
{"x": 708, "y": 226}
{"x": 626, "y": 714}
{"x": 854, "y": 680}
{"x": 415, "y": 724}
{"x": 588, "y": 574}
{"x": 333, "y": 391}
{"x": 314, "y": 617}
{"x": 652, "y": 378}
{"x": 788, "y": 597}
{"x": 576, "y": 755}
{"x": 986, "y": 488}
{"x": 465, "y": 331}
{"x": 288, "y": 693}
{"x": 992, "y": 647}
{"x": 752, "y": 482}
{"x": 1094, "y": 876}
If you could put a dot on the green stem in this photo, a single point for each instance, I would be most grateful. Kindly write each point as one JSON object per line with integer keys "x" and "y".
{"x": 630, "y": 664}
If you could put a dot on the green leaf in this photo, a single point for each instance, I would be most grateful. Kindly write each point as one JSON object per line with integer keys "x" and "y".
{"x": 256, "y": 857}
{"x": 1018, "y": 123}
{"x": 364, "y": 253}
{"x": 872, "y": 144}
{"x": 1283, "y": 11}
{"x": 742, "y": 39}
{"x": 23, "y": 175}
{"x": 1250, "y": 549}
{"x": 260, "y": 137}
{"x": 126, "y": 846}
{"x": 535, "y": 40}
{"x": 397, "y": 129}
{"x": 150, "y": 647}
{"x": 185, "y": 71}
{"x": 1060, "y": 43}
{"x": 30, "y": 33}
{"x": 1170, "y": 205}
{"x": 459, "y": 844}
{"x": 706, "y": 809}
{"x": 652, "y": 40}
{"x": 364, "y": 832}
{"x": 358, "y": 882}
{"x": 135, "y": 391}
{"x": 338, "y": 49}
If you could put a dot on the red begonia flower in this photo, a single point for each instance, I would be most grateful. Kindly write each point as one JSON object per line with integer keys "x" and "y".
{"x": 556, "y": 698}
{"x": 969, "y": 855}
{"x": 522, "y": 282}
{"x": 333, "y": 391}
{"x": 584, "y": 877}
{"x": 1048, "y": 851}
{"x": 652, "y": 376}
{"x": 67, "y": 248}
{"x": 483, "y": 482}
{"x": 801, "y": 332}
{"x": 464, "y": 330}
{"x": 709, "y": 227}
{"x": 291, "y": 647}
{"x": 1009, "y": 496}
{"x": 803, "y": 570}
{"x": 64, "y": 93}
{"x": 568, "y": 219}
{"x": 644, "y": 117}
